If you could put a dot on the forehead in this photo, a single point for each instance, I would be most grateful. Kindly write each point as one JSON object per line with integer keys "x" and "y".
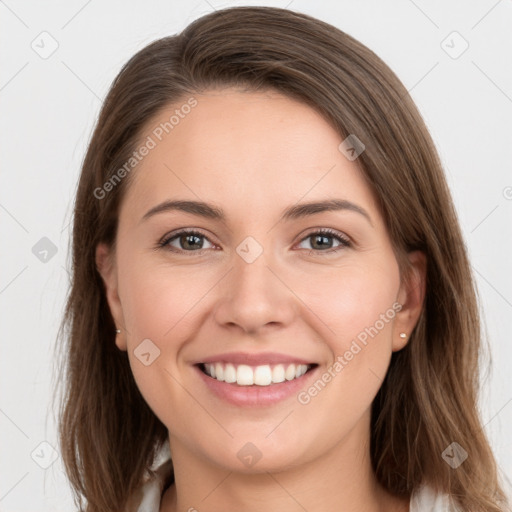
{"x": 249, "y": 149}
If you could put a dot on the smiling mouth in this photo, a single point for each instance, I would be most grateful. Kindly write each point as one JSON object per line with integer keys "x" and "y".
{"x": 262, "y": 375}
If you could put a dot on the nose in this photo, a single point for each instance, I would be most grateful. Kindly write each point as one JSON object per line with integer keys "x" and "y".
{"x": 254, "y": 296}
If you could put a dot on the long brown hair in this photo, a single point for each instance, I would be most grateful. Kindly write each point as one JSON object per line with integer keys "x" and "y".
{"x": 108, "y": 434}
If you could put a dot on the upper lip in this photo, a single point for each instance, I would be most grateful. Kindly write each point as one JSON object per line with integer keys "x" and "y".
{"x": 258, "y": 359}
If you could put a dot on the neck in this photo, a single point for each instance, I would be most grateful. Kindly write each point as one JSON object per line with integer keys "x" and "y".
{"x": 342, "y": 478}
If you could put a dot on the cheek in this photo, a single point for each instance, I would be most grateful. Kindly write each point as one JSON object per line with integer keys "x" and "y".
{"x": 362, "y": 321}
{"x": 159, "y": 300}
{"x": 352, "y": 299}
{"x": 160, "y": 306}
{"x": 356, "y": 303}
{"x": 357, "y": 306}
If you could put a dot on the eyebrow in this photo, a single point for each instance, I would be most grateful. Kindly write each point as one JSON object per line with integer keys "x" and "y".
{"x": 294, "y": 212}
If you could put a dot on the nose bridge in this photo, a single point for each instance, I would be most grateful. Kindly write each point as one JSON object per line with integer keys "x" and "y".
{"x": 255, "y": 296}
{"x": 252, "y": 265}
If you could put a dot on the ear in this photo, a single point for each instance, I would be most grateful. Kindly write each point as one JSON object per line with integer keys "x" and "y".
{"x": 411, "y": 296}
{"x": 106, "y": 265}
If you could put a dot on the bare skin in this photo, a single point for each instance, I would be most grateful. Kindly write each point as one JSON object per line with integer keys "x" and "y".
{"x": 254, "y": 155}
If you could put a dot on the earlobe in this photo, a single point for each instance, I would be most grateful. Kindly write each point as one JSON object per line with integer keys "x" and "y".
{"x": 105, "y": 264}
{"x": 411, "y": 296}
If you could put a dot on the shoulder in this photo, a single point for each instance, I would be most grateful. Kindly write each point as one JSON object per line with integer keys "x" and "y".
{"x": 425, "y": 499}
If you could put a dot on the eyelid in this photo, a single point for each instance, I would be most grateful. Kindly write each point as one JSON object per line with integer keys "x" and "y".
{"x": 328, "y": 231}
{"x": 163, "y": 243}
{"x": 345, "y": 241}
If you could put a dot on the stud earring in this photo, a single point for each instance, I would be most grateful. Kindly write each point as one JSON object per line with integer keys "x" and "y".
{"x": 118, "y": 331}
{"x": 403, "y": 335}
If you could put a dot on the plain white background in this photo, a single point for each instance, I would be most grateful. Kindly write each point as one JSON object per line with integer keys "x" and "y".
{"x": 49, "y": 107}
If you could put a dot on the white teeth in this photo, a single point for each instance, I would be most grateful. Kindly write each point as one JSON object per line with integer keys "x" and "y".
{"x": 210, "y": 369}
{"x": 219, "y": 372}
{"x": 263, "y": 375}
{"x": 278, "y": 373}
{"x": 301, "y": 370}
{"x": 290, "y": 372}
{"x": 230, "y": 373}
{"x": 244, "y": 375}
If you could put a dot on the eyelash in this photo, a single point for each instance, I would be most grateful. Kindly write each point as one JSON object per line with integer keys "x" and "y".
{"x": 344, "y": 242}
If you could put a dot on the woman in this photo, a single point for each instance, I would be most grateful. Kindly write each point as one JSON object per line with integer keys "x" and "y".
{"x": 338, "y": 374}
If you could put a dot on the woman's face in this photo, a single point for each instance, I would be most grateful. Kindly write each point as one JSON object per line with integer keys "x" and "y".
{"x": 255, "y": 290}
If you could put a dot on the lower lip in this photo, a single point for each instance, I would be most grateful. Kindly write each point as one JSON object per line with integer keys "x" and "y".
{"x": 256, "y": 395}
